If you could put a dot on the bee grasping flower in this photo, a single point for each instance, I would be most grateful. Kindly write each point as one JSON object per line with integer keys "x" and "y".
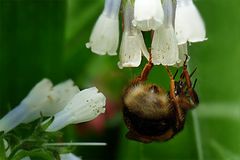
{"x": 132, "y": 46}
{"x": 151, "y": 113}
{"x": 175, "y": 23}
{"x": 164, "y": 43}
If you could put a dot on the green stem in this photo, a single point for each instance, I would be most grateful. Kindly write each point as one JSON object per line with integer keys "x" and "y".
{"x": 38, "y": 153}
{"x": 20, "y": 146}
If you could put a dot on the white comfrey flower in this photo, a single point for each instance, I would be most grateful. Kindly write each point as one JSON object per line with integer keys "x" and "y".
{"x": 84, "y": 106}
{"x": 133, "y": 45}
{"x": 148, "y": 14}
{"x": 43, "y": 98}
{"x": 164, "y": 43}
{"x": 54, "y": 101}
{"x": 67, "y": 156}
{"x": 105, "y": 35}
{"x": 183, "y": 52}
{"x": 189, "y": 25}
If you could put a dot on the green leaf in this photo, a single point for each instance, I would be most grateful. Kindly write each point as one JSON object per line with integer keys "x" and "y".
{"x": 46, "y": 124}
{"x": 2, "y": 149}
{"x": 37, "y": 154}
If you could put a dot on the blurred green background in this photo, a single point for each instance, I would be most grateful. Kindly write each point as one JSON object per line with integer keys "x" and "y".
{"x": 46, "y": 38}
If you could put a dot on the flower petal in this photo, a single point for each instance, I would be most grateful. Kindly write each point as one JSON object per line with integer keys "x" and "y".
{"x": 24, "y": 110}
{"x": 148, "y": 15}
{"x": 62, "y": 94}
{"x": 69, "y": 156}
{"x": 164, "y": 46}
{"x": 132, "y": 45}
{"x": 183, "y": 52}
{"x": 41, "y": 89}
{"x": 43, "y": 98}
{"x": 105, "y": 35}
{"x": 52, "y": 101}
{"x": 189, "y": 25}
{"x": 66, "y": 156}
{"x": 13, "y": 118}
{"x": 111, "y": 8}
{"x": 130, "y": 51}
{"x": 84, "y": 106}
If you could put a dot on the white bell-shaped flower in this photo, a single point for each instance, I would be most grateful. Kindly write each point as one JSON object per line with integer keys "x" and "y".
{"x": 67, "y": 156}
{"x": 183, "y": 53}
{"x": 105, "y": 34}
{"x": 189, "y": 25}
{"x": 84, "y": 106}
{"x": 148, "y": 14}
{"x": 26, "y": 158}
{"x": 43, "y": 98}
{"x": 54, "y": 101}
{"x": 164, "y": 43}
{"x": 132, "y": 45}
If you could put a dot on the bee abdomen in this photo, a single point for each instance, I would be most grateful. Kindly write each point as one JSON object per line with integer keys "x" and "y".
{"x": 147, "y": 126}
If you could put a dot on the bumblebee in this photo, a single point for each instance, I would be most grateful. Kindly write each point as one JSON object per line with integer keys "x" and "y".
{"x": 153, "y": 114}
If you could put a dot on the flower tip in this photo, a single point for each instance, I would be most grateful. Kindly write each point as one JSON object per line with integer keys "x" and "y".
{"x": 88, "y": 45}
{"x": 112, "y": 53}
{"x": 128, "y": 64}
{"x": 120, "y": 65}
{"x": 134, "y": 23}
{"x": 146, "y": 25}
{"x": 194, "y": 40}
{"x": 100, "y": 52}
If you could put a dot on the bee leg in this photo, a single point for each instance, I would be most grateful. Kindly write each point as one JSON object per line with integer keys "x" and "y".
{"x": 145, "y": 72}
{"x": 172, "y": 84}
{"x": 179, "y": 113}
{"x": 191, "y": 91}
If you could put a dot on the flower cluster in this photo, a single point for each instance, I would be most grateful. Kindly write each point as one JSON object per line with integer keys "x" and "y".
{"x": 174, "y": 24}
{"x": 64, "y": 101}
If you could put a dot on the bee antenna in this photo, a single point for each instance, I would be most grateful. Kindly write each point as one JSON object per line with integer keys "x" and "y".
{"x": 194, "y": 84}
{"x": 193, "y": 72}
{"x": 175, "y": 74}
